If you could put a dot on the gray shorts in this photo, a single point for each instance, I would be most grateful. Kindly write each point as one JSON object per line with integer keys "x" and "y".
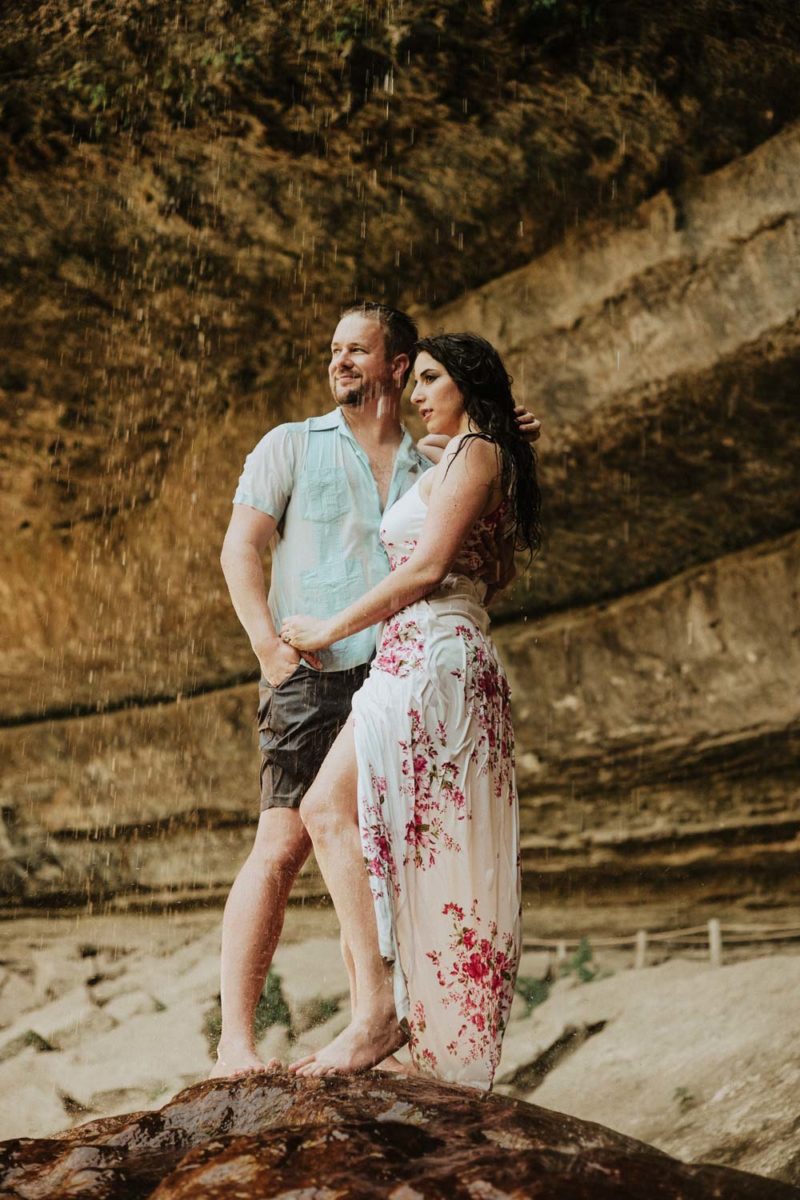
{"x": 297, "y": 724}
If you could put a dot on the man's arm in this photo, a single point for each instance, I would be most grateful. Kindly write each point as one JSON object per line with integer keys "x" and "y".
{"x": 248, "y": 535}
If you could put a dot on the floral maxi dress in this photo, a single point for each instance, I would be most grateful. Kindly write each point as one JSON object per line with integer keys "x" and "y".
{"x": 437, "y": 807}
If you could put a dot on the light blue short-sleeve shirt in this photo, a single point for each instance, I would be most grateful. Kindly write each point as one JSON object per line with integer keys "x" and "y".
{"x": 315, "y": 480}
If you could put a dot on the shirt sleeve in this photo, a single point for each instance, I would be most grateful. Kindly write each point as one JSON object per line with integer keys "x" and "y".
{"x": 267, "y": 478}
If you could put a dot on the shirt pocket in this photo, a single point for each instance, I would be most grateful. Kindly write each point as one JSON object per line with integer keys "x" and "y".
{"x": 325, "y": 494}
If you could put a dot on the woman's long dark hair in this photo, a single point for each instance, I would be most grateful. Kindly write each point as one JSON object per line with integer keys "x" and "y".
{"x": 478, "y": 371}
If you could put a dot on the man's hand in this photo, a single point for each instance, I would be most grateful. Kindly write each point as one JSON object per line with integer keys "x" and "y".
{"x": 527, "y": 423}
{"x": 498, "y": 551}
{"x": 306, "y": 633}
{"x": 279, "y": 660}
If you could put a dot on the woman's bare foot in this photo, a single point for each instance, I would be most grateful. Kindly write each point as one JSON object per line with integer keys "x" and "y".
{"x": 394, "y": 1067}
{"x": 237, "y": 1061}
{"x": 357, "y": 1048}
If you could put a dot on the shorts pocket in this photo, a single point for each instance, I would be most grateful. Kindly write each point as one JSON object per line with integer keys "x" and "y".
{"x": 276, "y": 687}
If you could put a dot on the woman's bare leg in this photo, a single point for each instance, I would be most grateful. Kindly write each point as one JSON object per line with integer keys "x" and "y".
{"x": 350, "y": 967}
{"x": 330, "y": 815}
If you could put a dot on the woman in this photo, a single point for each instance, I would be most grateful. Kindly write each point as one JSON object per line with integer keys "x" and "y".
{"x": 431, "y": 744}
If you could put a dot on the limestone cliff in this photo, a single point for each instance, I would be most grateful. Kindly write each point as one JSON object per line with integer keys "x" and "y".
{"x": 605, "y": 191}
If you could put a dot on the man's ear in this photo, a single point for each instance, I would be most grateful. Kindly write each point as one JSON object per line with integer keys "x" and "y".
{"x": 400, "y": 365}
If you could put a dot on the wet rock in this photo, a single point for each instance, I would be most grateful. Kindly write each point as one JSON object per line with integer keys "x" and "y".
{"x": 276, "y": 1135}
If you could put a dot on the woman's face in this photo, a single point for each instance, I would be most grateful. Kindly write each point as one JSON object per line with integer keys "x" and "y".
{"x": 438, "y": 397}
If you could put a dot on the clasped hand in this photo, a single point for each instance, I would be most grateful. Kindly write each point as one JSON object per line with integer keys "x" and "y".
{"x": 306, "y": 633}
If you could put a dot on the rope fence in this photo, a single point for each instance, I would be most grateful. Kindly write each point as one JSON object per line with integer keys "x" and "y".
{"x": 713, "y": 935}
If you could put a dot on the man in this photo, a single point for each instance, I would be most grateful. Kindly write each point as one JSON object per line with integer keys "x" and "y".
{"x": 321, "y": 485}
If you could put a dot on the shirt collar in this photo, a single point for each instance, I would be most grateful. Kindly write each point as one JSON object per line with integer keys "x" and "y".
{"x": 329, "y": 420}
{"x": 407, "y": 452}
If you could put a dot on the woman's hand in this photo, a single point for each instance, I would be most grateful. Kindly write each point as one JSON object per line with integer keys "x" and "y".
{"x": 306, "y": 633}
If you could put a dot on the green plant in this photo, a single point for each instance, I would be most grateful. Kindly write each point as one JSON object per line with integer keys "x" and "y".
{"x": 533, "y": 991}
{"x": 271, "y": 1009}
{"x": 581, "y": 963}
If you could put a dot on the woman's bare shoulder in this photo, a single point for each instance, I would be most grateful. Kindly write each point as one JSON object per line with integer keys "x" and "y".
{"x": 479, "y": 455}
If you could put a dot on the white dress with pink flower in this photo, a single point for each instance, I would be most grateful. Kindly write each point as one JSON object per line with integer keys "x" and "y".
{"x": 437, "y": 807}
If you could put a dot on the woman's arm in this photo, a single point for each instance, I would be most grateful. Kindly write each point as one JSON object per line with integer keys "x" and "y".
{"x": 433, "y": 445}
{"x": 460, "y": 490}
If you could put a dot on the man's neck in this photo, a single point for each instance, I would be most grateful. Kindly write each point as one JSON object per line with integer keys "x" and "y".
{"x": 375, "y": 421}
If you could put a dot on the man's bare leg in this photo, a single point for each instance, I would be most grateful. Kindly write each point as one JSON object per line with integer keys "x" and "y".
{"x": 330, "y": 815}
{"x": 251, "y": 927}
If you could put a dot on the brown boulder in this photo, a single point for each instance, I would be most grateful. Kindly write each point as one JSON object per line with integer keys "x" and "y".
{"x": 278, "y": 1136}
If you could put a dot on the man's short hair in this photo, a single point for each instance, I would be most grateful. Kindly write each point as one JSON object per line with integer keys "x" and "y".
{"x": 400, "y": 334}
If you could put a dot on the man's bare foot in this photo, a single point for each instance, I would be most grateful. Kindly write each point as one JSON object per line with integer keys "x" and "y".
{"x": 232, "y": 1064}
{"x": 357, "y": 1048}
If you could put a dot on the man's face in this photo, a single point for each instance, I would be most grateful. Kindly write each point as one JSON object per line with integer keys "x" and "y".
{"x": 359, "y": 370}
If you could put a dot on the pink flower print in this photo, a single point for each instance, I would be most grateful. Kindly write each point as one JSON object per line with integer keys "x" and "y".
{"x": 376, "y": 843}
{"x": 475, "y": 559}
{"x": 479, "y": 985}
{"x": 432, "y": 789}
{"x": 488, "y": 697}
{"x": 475, "y": 967}
{"x": 402, "y": 649}
{"x": 398, "y": 553}
{"x": 424, "y": 1058}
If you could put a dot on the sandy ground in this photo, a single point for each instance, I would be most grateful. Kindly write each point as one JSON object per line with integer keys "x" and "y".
{"x": 101, "y": 1015}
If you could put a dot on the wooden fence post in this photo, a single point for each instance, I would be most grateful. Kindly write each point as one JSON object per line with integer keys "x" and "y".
{"x": 641, "y": 950}
{"x": 715, "y": 942}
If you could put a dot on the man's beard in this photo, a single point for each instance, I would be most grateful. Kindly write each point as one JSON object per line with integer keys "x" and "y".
{"x": 355, "y": 397}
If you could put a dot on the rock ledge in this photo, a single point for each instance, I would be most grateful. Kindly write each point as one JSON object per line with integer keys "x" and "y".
{"x": 275, "y": 1135}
